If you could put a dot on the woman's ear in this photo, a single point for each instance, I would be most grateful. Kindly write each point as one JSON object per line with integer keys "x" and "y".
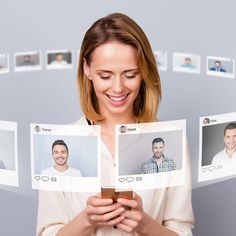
{"x": 86, "y": 69}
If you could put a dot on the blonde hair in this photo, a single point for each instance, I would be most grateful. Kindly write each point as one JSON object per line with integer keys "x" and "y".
{"x": 121, "y": 28}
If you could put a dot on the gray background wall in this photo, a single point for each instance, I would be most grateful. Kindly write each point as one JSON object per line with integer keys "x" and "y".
{"x": 203, "y": 27}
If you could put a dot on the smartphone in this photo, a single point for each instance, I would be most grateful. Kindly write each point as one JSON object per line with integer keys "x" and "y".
{"x": 113, "y": 193}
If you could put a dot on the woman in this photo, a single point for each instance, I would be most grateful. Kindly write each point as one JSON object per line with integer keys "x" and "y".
{"x": 118, "y": 83}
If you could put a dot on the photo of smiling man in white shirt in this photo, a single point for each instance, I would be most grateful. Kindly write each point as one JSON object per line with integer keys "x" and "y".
{"x": 229, "y": 152}
{"x": 60, "y": 155}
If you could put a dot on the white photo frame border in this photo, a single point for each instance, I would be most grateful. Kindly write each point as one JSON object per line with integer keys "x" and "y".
{"x": 214, "y": 171}
{"x": 179, "y": 68}
{"x": 63, "y": 183}
{"x": 53, "y": 67}
{"x": 28, "y": 67}
{"x": 7, "y": 69}
{"x": 156, "y": 180}
{"x": 10, "y": 177}
{"x": 219, "y": 73}
{"x": 165, "y": 56}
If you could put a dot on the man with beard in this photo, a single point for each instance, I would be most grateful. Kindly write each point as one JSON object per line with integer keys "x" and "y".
{"x": 159, "y": 162}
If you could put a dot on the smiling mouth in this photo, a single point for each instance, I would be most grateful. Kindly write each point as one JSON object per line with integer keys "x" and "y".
{"x": 158, "y": 154}
{"x": 118, "y": 99}
{"x": 233, "y": 145}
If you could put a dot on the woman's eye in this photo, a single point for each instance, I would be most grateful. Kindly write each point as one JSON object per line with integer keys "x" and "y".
{"x": 130, "y": 76}
{"x": 105, "y": 76}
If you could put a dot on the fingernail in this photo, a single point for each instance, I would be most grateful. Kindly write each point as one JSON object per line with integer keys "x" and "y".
{"x": 109, "y": 201}
{"x": 121, "y": 209}
{"x": 119, "y": 200}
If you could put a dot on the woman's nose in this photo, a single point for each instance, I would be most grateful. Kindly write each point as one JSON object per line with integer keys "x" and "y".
{"x": 117, "y": 84}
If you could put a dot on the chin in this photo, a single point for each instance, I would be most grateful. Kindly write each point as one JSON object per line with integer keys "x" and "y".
{"x": 120, "y": 110}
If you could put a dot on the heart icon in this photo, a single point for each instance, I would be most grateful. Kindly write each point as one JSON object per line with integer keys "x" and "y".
{"x": 37, "y": 177}
{"x": 121, "y": 180}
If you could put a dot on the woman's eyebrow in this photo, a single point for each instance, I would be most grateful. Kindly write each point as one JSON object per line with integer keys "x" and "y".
{"x": 131, "y": 70}
{"x": 125, "y": 71}
{"x": 102, "y": 70}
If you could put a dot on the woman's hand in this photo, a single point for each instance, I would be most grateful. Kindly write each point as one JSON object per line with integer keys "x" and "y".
{"x": 102, "y": 212}
{"x": 134, "y": 216}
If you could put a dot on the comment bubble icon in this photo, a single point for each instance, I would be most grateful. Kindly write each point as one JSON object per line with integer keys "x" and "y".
{"x": 130, "y": 179}
{"x": 45, "y": 178}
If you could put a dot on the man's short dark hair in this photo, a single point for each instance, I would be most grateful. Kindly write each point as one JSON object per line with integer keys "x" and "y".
{"x": 157, "y": 140}
{"x": 230, "y": 126}
{"x": 219, "y": 62}
{"x": 60, "y": 142}
{"x": 59, "y": 54}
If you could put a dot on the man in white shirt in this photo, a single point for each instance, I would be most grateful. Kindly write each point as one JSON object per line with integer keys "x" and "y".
{"x": 59, "y": 60}
{"x": 60, "y": 155}
{"x": 229, "y": 152}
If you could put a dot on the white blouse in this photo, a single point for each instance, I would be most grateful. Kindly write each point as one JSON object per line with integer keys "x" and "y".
{"x": 171, "y": 207}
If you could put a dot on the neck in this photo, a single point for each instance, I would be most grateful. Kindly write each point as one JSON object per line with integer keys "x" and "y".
{"x": 230, "y": 152}
{"x": 117, "y": 119}
{"x": 158, "y": 158}
{"x": 61, "y": 168}
{"x": 114, "y": 119}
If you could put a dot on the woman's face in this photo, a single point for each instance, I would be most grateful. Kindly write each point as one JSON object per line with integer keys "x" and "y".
{"x": 116, "y": 77}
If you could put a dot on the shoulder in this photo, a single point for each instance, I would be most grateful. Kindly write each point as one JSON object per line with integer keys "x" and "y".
{"x": 53, "y": 63}
{"x": 47, "y": 171}
{"x": 75, "y": 172}
{"x": 148, "y": 161}
{"x": 221, "y": 153}
{"x": 218, "y": 156}
{"x": 168, "y": 159}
